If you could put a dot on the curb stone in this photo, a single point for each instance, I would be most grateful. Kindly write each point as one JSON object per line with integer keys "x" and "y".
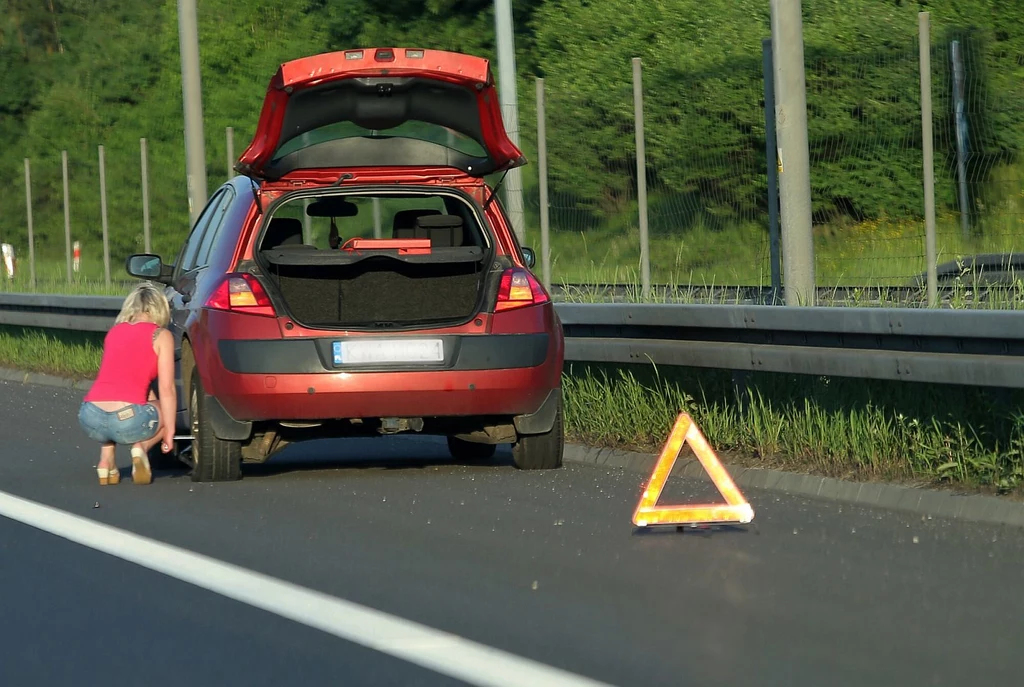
{"x": 930, "y": 502}
{"x": 973, "y": 508}
{"x": 21, "y": 377}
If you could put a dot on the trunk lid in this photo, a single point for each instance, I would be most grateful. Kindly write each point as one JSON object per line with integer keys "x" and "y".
{"x": 381, "y": 107}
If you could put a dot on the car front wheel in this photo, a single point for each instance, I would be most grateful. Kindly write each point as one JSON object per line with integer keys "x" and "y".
{"x": 215, "y": 460}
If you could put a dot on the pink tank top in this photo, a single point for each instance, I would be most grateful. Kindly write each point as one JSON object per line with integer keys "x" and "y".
{"x": 129, "y": 365}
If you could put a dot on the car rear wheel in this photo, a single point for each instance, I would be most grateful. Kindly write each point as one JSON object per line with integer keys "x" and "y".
{"x": 541, "y": 451}
{"x": 462, "y": 450}
{"x": 215, "y": 460}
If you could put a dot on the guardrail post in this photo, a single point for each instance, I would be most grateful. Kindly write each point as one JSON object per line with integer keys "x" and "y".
{"x": 28, "y": 211}
{"x": 641, "y": 177}
{"x": 542, "y": 173}
{"x": 741, "y": 389}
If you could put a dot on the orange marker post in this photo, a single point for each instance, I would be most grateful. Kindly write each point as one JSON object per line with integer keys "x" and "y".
{"x": 734, "y": 510}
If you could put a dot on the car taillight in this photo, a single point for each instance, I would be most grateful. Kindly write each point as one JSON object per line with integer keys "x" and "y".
{"x": 241, "y": 293}
{"x": 518, "y": 289}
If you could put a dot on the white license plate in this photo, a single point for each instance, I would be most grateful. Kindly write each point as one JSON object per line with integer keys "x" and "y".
{"x": 371, "y": 351}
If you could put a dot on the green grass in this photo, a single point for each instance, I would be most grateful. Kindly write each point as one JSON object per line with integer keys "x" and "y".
{"x": 857, "y": 429}
{"x": 60, "y": 352}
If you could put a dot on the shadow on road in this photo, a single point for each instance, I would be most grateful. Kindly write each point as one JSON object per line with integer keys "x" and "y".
{"x": 384, "y": 453}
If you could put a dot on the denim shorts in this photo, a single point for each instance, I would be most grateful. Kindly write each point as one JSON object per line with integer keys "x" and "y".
{"x": 129, "y": 425}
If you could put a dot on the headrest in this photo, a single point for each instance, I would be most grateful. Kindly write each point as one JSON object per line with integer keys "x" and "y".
{"x": 439, "y": 221}
{"x": 282, "y": 231}
{"x": 444, "y": 231}
{"x": 406, "y": 219}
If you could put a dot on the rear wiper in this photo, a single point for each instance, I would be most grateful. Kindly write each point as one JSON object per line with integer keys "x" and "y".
{"x": 494, "y": 193}
{"x": 343, "y": 177}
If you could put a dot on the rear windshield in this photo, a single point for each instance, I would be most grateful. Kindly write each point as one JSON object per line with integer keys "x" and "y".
{"x": 412, "y": 129}
{"x": 369, "y": 216}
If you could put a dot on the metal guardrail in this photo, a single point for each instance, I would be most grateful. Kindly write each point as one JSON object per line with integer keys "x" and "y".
{"x": 961, "y": 347}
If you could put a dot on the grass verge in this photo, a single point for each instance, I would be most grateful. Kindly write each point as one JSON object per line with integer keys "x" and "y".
{"x": 846, "y": 428}
{"x": 59, "y": 352}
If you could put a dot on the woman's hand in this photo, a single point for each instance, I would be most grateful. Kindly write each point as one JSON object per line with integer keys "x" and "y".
{"x": 167, "y": 445}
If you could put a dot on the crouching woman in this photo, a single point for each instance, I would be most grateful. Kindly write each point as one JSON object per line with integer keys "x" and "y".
{"x": 120, "y": 407}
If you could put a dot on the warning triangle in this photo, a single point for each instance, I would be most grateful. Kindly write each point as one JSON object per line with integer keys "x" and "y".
{"x": 648, "y": 512}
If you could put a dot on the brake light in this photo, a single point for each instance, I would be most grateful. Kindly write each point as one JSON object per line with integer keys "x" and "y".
{"x": 519, "y": 289}
{"x": 241, "y": 293}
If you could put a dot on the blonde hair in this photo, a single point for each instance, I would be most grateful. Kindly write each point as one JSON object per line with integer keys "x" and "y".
{"x": 145, "y": 299}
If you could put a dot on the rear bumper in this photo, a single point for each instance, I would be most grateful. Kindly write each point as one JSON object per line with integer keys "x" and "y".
{"x": 314, "y": 355}
{"x": 345, "y": 395}
{"x": 503, "y": 375}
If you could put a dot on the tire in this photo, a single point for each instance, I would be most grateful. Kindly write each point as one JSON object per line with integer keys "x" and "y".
{"x": 541, "y": 451}
{"x": 462, "y": 450}
{"x": 215, "y": 460}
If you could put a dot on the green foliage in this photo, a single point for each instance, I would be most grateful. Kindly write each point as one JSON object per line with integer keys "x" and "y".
{"x": 80, "y": 73}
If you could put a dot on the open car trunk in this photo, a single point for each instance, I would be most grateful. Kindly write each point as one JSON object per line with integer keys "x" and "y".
{"x": 425, "y": 278}
{"x": 381, "y": 293}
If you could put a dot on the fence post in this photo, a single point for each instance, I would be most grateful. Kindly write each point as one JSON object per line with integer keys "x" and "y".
{"x": 504, "y": 33}
{"x": 641, "y": 177}
{"x": 794, "y": 153}
{"x": 67, "y": 212}
{"x": 231, "y": 151}
{"x": 28, "y": 211}
{"x": 145, "y": 196}
{"x": 307, "y": 229}
{"x": 192, "y": 101}
{"x": 376, "y": 219}
{"x": 542, "y": 162}
{"x": 103, "y": 219}
{"x": 772, "y": 167}
{"x": 927, "y": 143}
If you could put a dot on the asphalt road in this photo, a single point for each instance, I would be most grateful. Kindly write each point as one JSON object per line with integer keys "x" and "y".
{"x": 544, "y": 566}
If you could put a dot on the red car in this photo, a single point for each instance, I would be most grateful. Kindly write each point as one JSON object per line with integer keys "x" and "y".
{"x": 360, "y": 278}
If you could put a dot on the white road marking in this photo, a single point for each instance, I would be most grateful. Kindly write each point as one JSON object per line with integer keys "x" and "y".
{"x": 435, "y": 650}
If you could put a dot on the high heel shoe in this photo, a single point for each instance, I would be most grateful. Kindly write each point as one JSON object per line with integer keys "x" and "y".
{"x": 108, "y": 476}
{"x": 141, "y": 472}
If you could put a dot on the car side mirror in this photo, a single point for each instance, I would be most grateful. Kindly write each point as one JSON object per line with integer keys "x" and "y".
{"x": 530, "y": 257}
{"x": 148, "y": 266}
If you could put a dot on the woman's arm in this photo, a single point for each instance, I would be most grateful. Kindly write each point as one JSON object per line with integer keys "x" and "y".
{"x": 165, "y": 383}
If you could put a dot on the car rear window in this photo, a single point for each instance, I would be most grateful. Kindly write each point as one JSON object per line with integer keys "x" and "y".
{"x": 371, "y": 216}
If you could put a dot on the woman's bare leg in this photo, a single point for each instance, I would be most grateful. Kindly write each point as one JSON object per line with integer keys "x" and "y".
{"x": 107, "y": 456}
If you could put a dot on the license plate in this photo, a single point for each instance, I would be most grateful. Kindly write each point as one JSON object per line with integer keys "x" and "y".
{"x": 388, "y": 351}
